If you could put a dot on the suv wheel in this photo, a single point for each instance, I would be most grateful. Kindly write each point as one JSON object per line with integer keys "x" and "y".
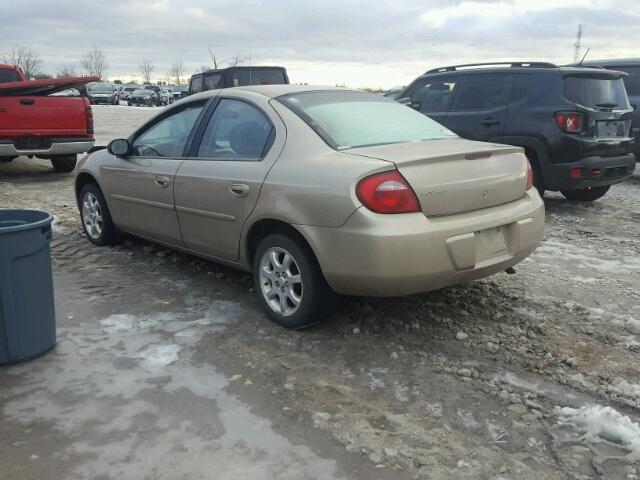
{"x": 64, "y": 163}
{"x": 289, "y": 282}
{"x": 588, "y": 194}
{"x": 95, "y": 216}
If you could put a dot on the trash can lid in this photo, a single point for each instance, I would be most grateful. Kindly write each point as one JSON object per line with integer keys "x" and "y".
{"x": 14, "y": 220}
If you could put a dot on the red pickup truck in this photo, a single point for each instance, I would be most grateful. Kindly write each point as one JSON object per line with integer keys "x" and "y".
{"x": 33, "y": 123}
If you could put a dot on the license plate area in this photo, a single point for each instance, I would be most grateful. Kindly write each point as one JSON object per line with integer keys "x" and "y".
{"x": 610, "y": 129}
{"x": 490, "y": 243}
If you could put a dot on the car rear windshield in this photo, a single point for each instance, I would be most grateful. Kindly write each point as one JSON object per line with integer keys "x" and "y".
{"x": 632, "y": 81}
{"x": 7, "y": 76}
{"x": 101, "y": 88}
{"x": 596, "y": 92}
{"x": 350, "y": 119}
{"x": 273, "y": 76}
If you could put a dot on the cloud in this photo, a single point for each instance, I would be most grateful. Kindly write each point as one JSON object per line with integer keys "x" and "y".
{"x": 382, "y": 42}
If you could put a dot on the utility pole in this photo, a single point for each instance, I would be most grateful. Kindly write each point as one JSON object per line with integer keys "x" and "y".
{"x": 578, "y": 44}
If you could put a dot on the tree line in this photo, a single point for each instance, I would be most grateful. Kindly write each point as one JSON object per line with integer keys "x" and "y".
{"x": 93, "y": 63}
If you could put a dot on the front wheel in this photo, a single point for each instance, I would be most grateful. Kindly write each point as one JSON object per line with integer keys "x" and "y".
{"x": 289, "y": 282}
{"x": 95, "y": 216}
{"x": 64, "y": 163}
{"x": 588, "y": 194}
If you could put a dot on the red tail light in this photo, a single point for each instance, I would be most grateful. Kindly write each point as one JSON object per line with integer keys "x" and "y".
{"x": 529, "y": 175}
{"x": 89, "y": 113}
{"x": 569, "y": 122}
{"x": 387, "y": 192}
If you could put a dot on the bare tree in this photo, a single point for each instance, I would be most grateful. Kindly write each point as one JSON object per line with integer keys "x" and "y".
{"x": 94, "y": 62}
{"x": 67, "y": 70}
{"x": 177, "y": 70}
{"x": 146, "y": 68}
{"x": 238, "y": 60}
{"x": 213, "y": 57}
{"x": 23, "y": 57}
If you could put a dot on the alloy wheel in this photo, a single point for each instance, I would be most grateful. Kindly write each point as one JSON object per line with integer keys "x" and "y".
{"x": 92, "y": 216}
{"x": 281, "y": 281}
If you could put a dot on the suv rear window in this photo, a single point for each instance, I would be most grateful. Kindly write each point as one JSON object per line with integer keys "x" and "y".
{"x": 632, "y": 81}
{"x": 596, "y": 92}
{"x": 257, "y": 77}
{"x": 350, "y": 119}
{"x": 7, "y": 76}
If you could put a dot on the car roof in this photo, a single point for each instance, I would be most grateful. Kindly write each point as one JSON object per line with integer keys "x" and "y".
{"x": 547, "y": 69}
{"x": 617, "y": 62}
{"x": 271, "y": 91}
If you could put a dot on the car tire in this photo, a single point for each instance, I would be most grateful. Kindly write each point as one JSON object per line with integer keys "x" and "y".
{"x": 289, "y": 282}
{"x": 586, "y": 194}
{"x": 64, "y": 163}
{"x": 95, "y": 216}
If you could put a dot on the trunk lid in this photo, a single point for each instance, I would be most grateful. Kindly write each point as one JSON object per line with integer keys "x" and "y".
{"x": 453, "y": 176}
{"x": 42, "y": 116}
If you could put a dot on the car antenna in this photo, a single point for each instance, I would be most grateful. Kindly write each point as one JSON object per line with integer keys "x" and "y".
{"x": 585, "y": 56}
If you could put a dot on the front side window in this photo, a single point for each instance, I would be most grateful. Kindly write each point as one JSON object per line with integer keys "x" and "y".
{"x": 350, "y": 119}
{"x": 236, "y": 130}
{"x": 482, "y": 92}
{"x": 168, "y": 137}
{"x": 433, "y": 94}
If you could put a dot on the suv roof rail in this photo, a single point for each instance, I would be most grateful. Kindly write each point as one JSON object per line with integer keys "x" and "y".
{"x": 453, "y": 68}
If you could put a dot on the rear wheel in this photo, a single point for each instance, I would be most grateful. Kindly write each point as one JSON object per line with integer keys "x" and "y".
{"x": 64, "y": 163}
{"x": 95, "y": 216}
{"x": 588, "y": 194}
{"x": 289, "y": 282}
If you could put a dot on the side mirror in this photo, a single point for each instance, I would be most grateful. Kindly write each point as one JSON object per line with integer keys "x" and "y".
{"x": 119, "y": 147}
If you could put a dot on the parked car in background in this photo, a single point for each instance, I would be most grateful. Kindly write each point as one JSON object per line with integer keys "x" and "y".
{"x": 179, "y": 91}
{"x": 316, "y": 191}
{"x": 166, "y": 98}
{"x": 143, "y": 96}
{"x": 127, "y": 90}
{"x": 237, "y": 77}
{"x": 36, "y": 122}
{"x": 630, "y": 66}
{"x": 573, "y": 122}
{"x": 102, "y": 93}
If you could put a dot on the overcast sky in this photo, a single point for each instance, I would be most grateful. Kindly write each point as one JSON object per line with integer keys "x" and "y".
{"x": 355, "y": 42}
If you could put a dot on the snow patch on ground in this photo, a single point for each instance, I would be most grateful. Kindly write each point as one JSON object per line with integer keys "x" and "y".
{"x": 598, "y": 424}
{"x": 559, "y": 252}
{"x": 158, "y": 356}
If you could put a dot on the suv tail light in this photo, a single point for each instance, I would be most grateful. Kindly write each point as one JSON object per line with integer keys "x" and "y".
{"x": 89, "y": 113}
{"x": 529, "y": 175}
{"x": 387, "y": 192}
{"x": 570, "y": 122}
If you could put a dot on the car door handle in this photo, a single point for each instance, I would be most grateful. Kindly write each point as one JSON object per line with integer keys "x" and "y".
{"x": 490, "y": 122}
{"x": 239, "y": 189}
{"x": 162, "y": 181}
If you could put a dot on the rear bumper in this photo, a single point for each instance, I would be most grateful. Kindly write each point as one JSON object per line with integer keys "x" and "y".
{"x": 595, "y": 171}
{"x": 391, "y": 255}
{"x": 57, "y": 147}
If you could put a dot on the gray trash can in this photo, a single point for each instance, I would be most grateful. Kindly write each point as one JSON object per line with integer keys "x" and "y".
{"x": 27, "y": 314}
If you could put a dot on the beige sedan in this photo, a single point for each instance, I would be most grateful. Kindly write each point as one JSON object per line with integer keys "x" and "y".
{"x": 317, "y": 191}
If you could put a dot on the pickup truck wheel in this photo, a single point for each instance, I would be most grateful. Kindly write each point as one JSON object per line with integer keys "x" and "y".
{"x": 64, "y": 163}
{"x": 586, "y": 194}
{"x": 95, "y": 216}
{"x": 289, "y": 282}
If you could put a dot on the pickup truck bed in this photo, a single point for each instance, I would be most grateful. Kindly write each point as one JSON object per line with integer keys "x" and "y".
{"x": 32, "y": 123}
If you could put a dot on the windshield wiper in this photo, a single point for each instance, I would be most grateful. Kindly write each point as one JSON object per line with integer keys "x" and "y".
{"x": 607, "y": 105}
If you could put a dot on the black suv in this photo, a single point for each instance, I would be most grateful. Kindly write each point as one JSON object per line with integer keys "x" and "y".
{"x": 237, "y": 77}
{"x": 573, "y": 122}
{"x": 630, "y": 66}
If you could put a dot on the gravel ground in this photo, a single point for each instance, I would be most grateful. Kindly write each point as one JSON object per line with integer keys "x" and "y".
{"x": 167, "y": 368}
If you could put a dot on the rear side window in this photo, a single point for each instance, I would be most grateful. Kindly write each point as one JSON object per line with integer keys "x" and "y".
{"x": 482, "y": 92}
{"x": 196, "y": 84}
{"x": 596, "y": 92}
{"x": 213, "y": 81}
{"x": 7, "y": 76}
{"x": 433, "y": 95}
{"x": 235, "y": 131}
